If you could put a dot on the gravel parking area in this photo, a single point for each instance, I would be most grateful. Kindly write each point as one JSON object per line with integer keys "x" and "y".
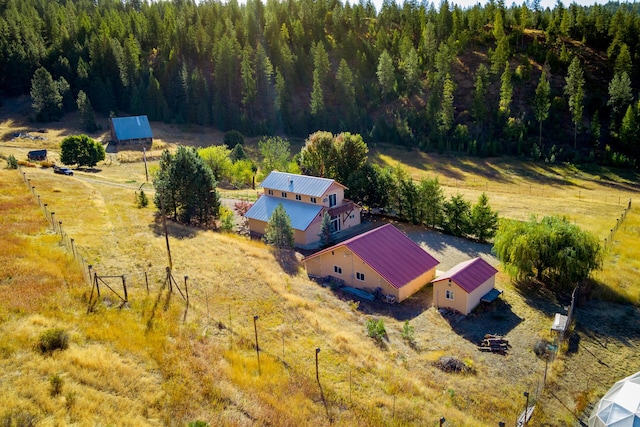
{"x": 449, "y": 250}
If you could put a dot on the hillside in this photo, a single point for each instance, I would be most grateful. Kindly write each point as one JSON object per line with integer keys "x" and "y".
{"x": 182, "y": 364}
{"x": 441, "y": 79}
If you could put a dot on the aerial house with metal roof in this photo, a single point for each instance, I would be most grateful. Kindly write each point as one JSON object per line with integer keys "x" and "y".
{"x": 306, "y": 199}
{"x": 381, "y": 261}
{"x": 131, "y": 130}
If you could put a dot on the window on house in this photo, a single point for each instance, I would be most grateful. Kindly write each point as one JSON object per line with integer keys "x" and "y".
{"x": 313, "y": 200}
{"x": 332, "y": 200}
{"x": 270, "y": 192}
{"x": 449, "y": 295}
{"x": 284, "y": 194}
{"x": 360, "y": 276}
{"x": 337, "y": 270}
{"x": 298, "y": 197}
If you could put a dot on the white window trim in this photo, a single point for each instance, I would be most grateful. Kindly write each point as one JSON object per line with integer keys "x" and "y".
{"x": 448, "y": 294}
{"x": 337, "y": 269}
{"x": 360, "y": 276}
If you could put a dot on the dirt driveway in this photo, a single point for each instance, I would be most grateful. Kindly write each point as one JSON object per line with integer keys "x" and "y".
{"x": 449, "y": 250}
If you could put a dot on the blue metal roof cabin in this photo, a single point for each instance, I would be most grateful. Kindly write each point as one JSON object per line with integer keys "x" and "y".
{"x": 131, "y": 130}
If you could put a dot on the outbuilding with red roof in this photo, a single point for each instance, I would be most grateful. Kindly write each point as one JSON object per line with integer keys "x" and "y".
{"x": 465, "y": 285}
{"x": 382, "y": 258}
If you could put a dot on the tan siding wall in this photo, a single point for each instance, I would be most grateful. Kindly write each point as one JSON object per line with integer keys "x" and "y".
{"x": 299, "y": 236}
{"x": 334, "y": 189}
{"x": 474, "y": 298}
{"x": 349, "y": 222}
{"x": 313, "y": 230}
{"x": 256, "y": 226}
{"x": 459, "y": 301}
{"x": 463, "y": 302}
{"x": 416, "y": 284}
{"x": 323, "y": 266}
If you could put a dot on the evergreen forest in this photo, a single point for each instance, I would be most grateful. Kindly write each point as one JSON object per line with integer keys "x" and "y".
{"x": 556, "y": 84}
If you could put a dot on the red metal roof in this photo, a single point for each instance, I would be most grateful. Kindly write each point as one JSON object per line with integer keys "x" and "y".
{"x": 469, "y": 275}
{"x": 390, "y": 253}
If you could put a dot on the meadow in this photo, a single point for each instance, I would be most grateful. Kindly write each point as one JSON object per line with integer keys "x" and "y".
{"x": 156, "y": 360}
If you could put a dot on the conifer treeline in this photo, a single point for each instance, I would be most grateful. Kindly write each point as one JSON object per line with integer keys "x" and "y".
{"x": 436, "y": 77}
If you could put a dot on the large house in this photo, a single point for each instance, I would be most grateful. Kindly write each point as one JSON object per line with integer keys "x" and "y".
{"x": 465, "y": 285}
{"x": 306, "y": 199}
{"x": 131, "y": 130}
{"x": 383, "y": 259}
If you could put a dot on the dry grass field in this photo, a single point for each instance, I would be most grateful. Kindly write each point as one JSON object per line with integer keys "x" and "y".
{"x": 156, "y": 360}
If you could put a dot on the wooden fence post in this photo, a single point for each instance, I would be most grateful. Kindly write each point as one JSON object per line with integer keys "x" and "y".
{"x": 124, "y": 286}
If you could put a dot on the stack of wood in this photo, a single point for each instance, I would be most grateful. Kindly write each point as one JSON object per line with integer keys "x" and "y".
{"x": 494, "y": 344}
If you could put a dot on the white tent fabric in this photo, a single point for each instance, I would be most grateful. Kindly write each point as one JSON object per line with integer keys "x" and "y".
{"x": 620, "y": 407}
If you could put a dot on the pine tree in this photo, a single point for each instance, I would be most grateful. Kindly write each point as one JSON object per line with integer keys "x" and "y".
{"x": 279, "y": 232}
{"x": 484, "y": 221}
{"x": 575, "y": 90}
{"x": 386, "y": 74}
{"x": 47, "y": 100}
{"x": 620, "y": 97}
{"x": 326, "y": 234}
{"x": 445, "y": 116}
{"x": 541, "y": 101}
{"x": 506, "y": 91}
{"x": 87, "y": 116}
{"x": 411, "y": 68}
{"x": 479, "y": 110}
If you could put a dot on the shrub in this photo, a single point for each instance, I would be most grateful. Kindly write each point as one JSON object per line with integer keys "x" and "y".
{"x": 142, "y": 201}
{"x": 46, "y": 164}
{"x": 408, "y": 332}
{"x": 56, "y": 382}
{"x": 51, "y": 340}
{"x": 233, "y": 138}
{"x": 376, "y": 330}
{"x": 12, "y": 162}
{"x": 226, "y": 219}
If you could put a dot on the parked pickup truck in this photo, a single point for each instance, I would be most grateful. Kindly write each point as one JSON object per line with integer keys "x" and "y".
{"x": 62, "y": 171}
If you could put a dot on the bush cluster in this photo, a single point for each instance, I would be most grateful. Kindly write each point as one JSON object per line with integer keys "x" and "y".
{"x": 51, "y": 340}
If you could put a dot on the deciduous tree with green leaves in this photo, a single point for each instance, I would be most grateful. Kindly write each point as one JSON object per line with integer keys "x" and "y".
{"x": 552, "y": 250}
{"x": 275, "y": 155}
{"x": 81, "y": 150}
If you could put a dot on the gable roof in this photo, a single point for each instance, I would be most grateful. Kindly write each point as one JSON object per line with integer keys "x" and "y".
{"x": 301, "y": 184}
{"x": 469, "y": 275}
{"x": 390, "y": 253}
{"x": 136, "y": 127}
{"x": 301, "y": 214}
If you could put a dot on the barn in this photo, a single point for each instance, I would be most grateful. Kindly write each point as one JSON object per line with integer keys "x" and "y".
{"x": 131, "y": 130}
{"x": 383, "y": 260}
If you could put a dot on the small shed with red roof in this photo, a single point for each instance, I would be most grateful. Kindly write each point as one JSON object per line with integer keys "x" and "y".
{"x": 465, "y": 285}
{"x": 383, "y": 258}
